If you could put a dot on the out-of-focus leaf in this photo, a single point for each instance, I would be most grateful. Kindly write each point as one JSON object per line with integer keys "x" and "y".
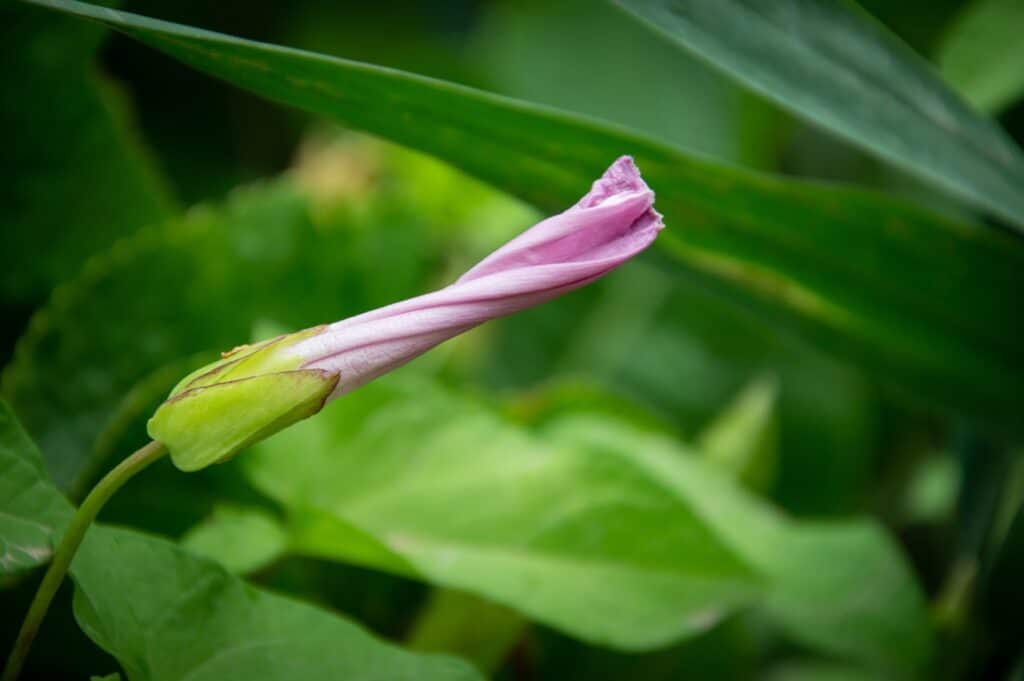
{"x": 558, "y": 526}
{"x": 725, "y": 653}
{"x": 932, "y": 492}
{"x": 815, "y": 670}
{"x": 1002, "y": 593}
{"x": 671, "y": 346}
{"x": 832, "y": 65}
{"x": 163, "y": 295}
{"x": 744, "y": 439}
{"x": 923, "y": 302}
{"x": 109, "y": 677}
{"x": 876, "y": 613}
{"x": 453, "y": 495}
{"x": 241, "y": 539}
{"x": 983, "y": 55}
{"x": 30, "y": 509}
{"x": 470, "y": 627}
{"x": 561, "y": 54}
{"x": 79, "y": 179}
{"x": 168, "y": 615}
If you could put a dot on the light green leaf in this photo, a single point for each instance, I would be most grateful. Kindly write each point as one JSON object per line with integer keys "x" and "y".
{"x": 924, "y": 303}
{"x": 831, "y": 64}
{"x": 983, "y": 56}
{"x": 241, "y": 539}
{"x": 450, "y": 493}
{"x": 559, "y": 526}
{"x": 744, "y": 438}
{"x": 840, "y": 587}
{"x": 167, "y": 615}
{"x": 82, "y": 179}
{"x": 30, "y": 509}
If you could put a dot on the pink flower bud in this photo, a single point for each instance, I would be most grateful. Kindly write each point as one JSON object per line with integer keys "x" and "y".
{"x": 612, "y": 223}
{"x": 255, "y": 391}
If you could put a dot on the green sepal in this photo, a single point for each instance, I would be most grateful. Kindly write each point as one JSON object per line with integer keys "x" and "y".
{"x": 211, "y": 423}
{"x": 244, "y": 361}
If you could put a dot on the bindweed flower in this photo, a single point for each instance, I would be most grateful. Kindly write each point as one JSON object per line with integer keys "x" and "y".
{"x": 254, "y": 391}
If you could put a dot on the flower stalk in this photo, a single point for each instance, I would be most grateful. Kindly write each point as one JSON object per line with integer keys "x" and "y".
{"x": 69, "y": 543}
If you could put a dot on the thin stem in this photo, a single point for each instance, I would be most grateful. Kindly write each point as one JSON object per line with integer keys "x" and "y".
{"x": 65, "y": 552}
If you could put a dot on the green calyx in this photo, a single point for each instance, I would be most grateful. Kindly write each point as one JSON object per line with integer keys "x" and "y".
{"x": 250, "y": 394}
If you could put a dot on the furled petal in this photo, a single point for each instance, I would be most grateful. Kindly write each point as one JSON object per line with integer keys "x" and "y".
{"x": 612, "y": 223}
{"x": 256, "y": 390}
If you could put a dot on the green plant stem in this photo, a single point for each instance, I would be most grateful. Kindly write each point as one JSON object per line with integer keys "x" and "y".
{"x": 69, "y": 544}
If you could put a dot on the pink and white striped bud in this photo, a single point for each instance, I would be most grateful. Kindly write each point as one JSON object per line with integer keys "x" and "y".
{"x": 255, "y": 392}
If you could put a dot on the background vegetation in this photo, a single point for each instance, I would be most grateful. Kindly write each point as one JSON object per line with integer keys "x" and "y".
{"x": 783, "y": 445}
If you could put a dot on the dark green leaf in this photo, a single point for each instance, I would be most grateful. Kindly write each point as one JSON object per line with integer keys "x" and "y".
{"x": 925, "y": 303}
{"x": 82, "y": 180}
{"x": 830, "y": 63}
{"x": 816, "y": 670}
{"x": 532, "y": 50}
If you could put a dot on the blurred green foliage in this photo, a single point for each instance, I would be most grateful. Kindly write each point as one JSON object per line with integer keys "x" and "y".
{"x": 652, "y": 478}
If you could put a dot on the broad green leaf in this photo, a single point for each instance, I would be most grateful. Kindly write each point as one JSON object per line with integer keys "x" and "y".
{"x": 744, "y": 438}
{"x": 557, "y": 525}
{"x": 831, "y": 64}
{"x": 167, "y": 615}
{"x": 925, "y": 303}
{"x": 407, "y": 478}
{"x": 30, "y": 509}
{"x": 82, "y": 179}
{"x": 840, "y": 587}
{"x": 982, "y": 55}
{"x": 241, "y": 539}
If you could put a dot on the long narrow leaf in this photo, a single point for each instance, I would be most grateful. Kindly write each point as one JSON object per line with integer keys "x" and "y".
{"x": 926, "y": 303}
{"x": 828, "y": 63}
